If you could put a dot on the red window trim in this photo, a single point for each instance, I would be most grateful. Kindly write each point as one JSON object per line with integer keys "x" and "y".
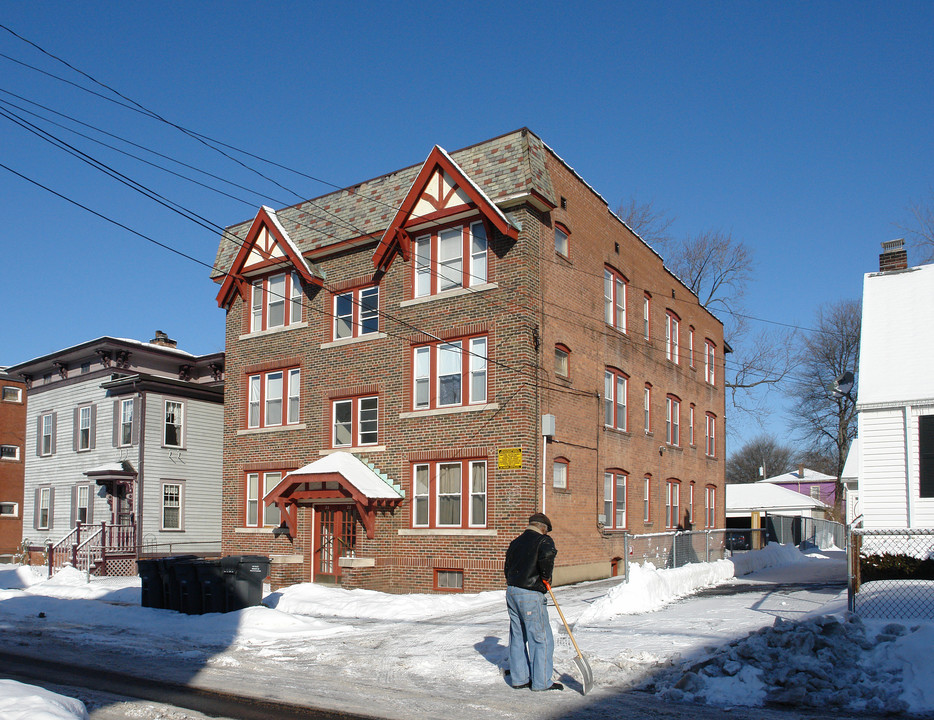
{"x": 433, "y": 369}
{"x": 672, "y": 349}
{"x": 245, "y": 487}
{"x": 567, "y": 474}
{"x": 616, "y": 372}
{"x": 262, "y": 397}
{"x": 567, "y": 351}
{"x": 567, "y": 231}
{"x": 672, "y": 398}
{"x": 611, "y": 524}
{"x": 357, "y": 304}
{"x": 675, "y": 520}
{"x": 617, "y": 275}
{"x": 465, "y": 465}
{"x": 438, "y": 588}
{"x": 467, "y": 279}
{"x": 354, "y": 419}
{"x": 707, "y": 436}
{"x": 647, "y": 498}
{"x": 289, "y": 273}
{"x": 710, "y": 509}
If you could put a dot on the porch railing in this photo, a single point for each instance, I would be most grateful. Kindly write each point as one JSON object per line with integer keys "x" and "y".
{"x": 88, "y": 547}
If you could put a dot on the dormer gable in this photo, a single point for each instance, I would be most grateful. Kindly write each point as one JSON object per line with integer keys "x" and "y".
{"x": 440, "y": 192}
{"x": 267, "y": 246}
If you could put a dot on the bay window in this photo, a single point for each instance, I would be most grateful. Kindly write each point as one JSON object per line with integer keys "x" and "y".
{"x": 449, "y": 494}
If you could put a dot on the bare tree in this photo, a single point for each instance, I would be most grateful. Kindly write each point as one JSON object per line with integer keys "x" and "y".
{"x": 823, "y": 418}
{"x": 717, "y": 268}
{"x": 762, "y": 456}
{"x": 920, "y": 229}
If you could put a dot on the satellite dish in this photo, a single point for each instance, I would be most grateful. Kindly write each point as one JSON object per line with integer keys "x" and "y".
{"x": 843, "y": 385}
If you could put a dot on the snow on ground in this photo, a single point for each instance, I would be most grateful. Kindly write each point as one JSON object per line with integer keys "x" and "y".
{"x": 750, "y": 643}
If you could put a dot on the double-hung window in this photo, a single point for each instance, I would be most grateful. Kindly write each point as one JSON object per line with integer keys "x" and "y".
{"x": 647, "y": 499}
{"x": 647, "y": 408}
{"x": 559, "y": 477}
{"x": 44, "y": 509}
{"x": 615, "y": 394}
{"x": 171, "y": 506}
{"x": 614, "y": 299}
{"x": 450, "y": 258}
{"x": 711, "y": 438}
{"x": 355, "y": 421}
{"x": 274, "y": 398}
{"x": 449, "y": 494}
{"x": 710, "y": 357}
{"x": 562, "y": 242}
{"x": 672, "y": 420}
{"x": 126, "y": 422}
{"x": 646, "y": 315}
{"x": 46, "y": 434}
{"x": 671, "y": 336}
{"x": 691, "y": 346}
{"x": 356, "y": 313}
{"x": 562, "y": 361}
{"x": 85, "y": 429}
{"x": 173, "y": 435}
{"x": 258, "y": 485}
{"x": 672, "y": 503}
{"x": 449, "y": 374}
{"x": 275, "y": 301}
{"x": 82, "y": 499}
{"x": 710, "y": 508}
{"x": 691, "y": 424}
{"x": 614, "y": 499}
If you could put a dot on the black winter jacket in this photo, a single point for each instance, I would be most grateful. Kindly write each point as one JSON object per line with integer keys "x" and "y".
{"x": 529, "y": 560}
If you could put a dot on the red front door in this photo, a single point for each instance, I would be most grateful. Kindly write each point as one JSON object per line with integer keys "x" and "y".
{"x": 335, "y": 537}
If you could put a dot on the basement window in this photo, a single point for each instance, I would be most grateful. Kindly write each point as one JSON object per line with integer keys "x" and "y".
{"x": 450, "y": 580}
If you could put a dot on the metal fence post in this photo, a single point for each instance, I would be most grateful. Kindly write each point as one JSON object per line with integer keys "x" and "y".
{"x": 626, "y": 556}
{"x": 850, "y": 589}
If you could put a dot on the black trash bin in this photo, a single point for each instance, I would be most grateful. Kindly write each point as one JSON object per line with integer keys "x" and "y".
{"x": 150, "y": 573}
{"x": 213, "y": 587}
{"x": 244, "y": 575}
{"x": 170, "y": 582}
{"x": 189, "y": 588}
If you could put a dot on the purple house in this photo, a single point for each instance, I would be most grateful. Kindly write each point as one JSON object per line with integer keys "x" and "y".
{"x": 814, "y": 484}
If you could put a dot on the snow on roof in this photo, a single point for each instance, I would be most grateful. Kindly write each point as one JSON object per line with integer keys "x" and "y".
{"x": 359, "y": 474}
{"x": 756, "y": 496}
{"x": 794, "y": 477}
{"x": 895, "y": 352}
{"x": 851, "y": 466}
{"x": 288, "y": 240}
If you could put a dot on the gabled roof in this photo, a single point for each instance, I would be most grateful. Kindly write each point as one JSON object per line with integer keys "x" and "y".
{"x": 440, "y": 190}
{"x": 747, "y": 497}
{"x": 507, "y": 169}
{"x": 267, "y": 244}
{"x": 338, "y": 476}
{"x": 809, "y": 476}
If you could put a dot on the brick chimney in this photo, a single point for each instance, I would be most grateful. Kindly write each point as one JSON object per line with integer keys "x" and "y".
{"x": 894, "y": 256}
{"x": 162, "y": 339}
{"x": 801, "y": 472}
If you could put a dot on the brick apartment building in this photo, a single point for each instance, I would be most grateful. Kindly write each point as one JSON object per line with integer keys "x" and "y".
{"x": 12, "y": 472}
{"x": 396, "y": 350}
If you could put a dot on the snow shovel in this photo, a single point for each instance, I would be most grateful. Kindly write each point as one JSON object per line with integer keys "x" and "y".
{"x": 580, "y": 660}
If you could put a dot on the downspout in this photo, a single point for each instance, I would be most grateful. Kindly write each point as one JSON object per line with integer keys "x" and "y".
{"x": 139, "y": 474}
{"x": 908, "y": 509}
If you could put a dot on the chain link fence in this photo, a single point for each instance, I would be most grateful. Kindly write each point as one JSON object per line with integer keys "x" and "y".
{"x": 677, "y": 548}
{"x": 823, "y": 534}
{"x": 891, "y": 573}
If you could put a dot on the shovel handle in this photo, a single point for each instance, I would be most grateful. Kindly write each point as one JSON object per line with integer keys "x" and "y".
{"x": 570, "y": 634}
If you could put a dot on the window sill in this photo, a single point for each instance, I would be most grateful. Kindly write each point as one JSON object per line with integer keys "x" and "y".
{"x": 173, "y": 447}
{"x": 438, "y": 532}
{"x": 354, "y": 449}
{"x": 254, "y": 530}
{"x": 353, "y": 340}
{"x": 454, "y": 292}
{"x": 617, "y": 431}
{"x": 277, "y": 428}
{"x": 272, "y": 331}
{"x": 355, "y": 562}
{"x": 448, "y": 410}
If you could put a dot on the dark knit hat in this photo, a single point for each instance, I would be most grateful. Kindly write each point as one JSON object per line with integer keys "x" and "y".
{"x": 542, "y": 519}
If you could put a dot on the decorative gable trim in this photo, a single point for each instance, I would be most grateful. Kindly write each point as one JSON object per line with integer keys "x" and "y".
{"x": 440, "y": 190}
{"x": 269, "y": 248}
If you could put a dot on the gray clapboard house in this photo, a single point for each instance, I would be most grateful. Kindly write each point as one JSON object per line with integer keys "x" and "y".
{"x": 123, "y": 453}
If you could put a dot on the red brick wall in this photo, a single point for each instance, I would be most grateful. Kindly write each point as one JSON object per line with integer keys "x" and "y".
{"x": 12, "y": 472}
{"x": 540, "y": 300}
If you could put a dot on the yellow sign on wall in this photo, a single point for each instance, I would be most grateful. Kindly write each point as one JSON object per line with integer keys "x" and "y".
{"x": 510, "y": 458}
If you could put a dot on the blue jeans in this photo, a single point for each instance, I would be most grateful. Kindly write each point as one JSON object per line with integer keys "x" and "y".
{"x": 531, "y": 644}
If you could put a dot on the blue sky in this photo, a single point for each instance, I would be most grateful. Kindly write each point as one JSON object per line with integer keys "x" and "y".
{"x": 804, "y": 129}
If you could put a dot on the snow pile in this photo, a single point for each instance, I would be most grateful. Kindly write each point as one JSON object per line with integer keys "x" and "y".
{"x": 649, "y": 589}
{"x": 28, "y": 702}
{"x": 819, "y": 663}
{"x": 320, "y": 600}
